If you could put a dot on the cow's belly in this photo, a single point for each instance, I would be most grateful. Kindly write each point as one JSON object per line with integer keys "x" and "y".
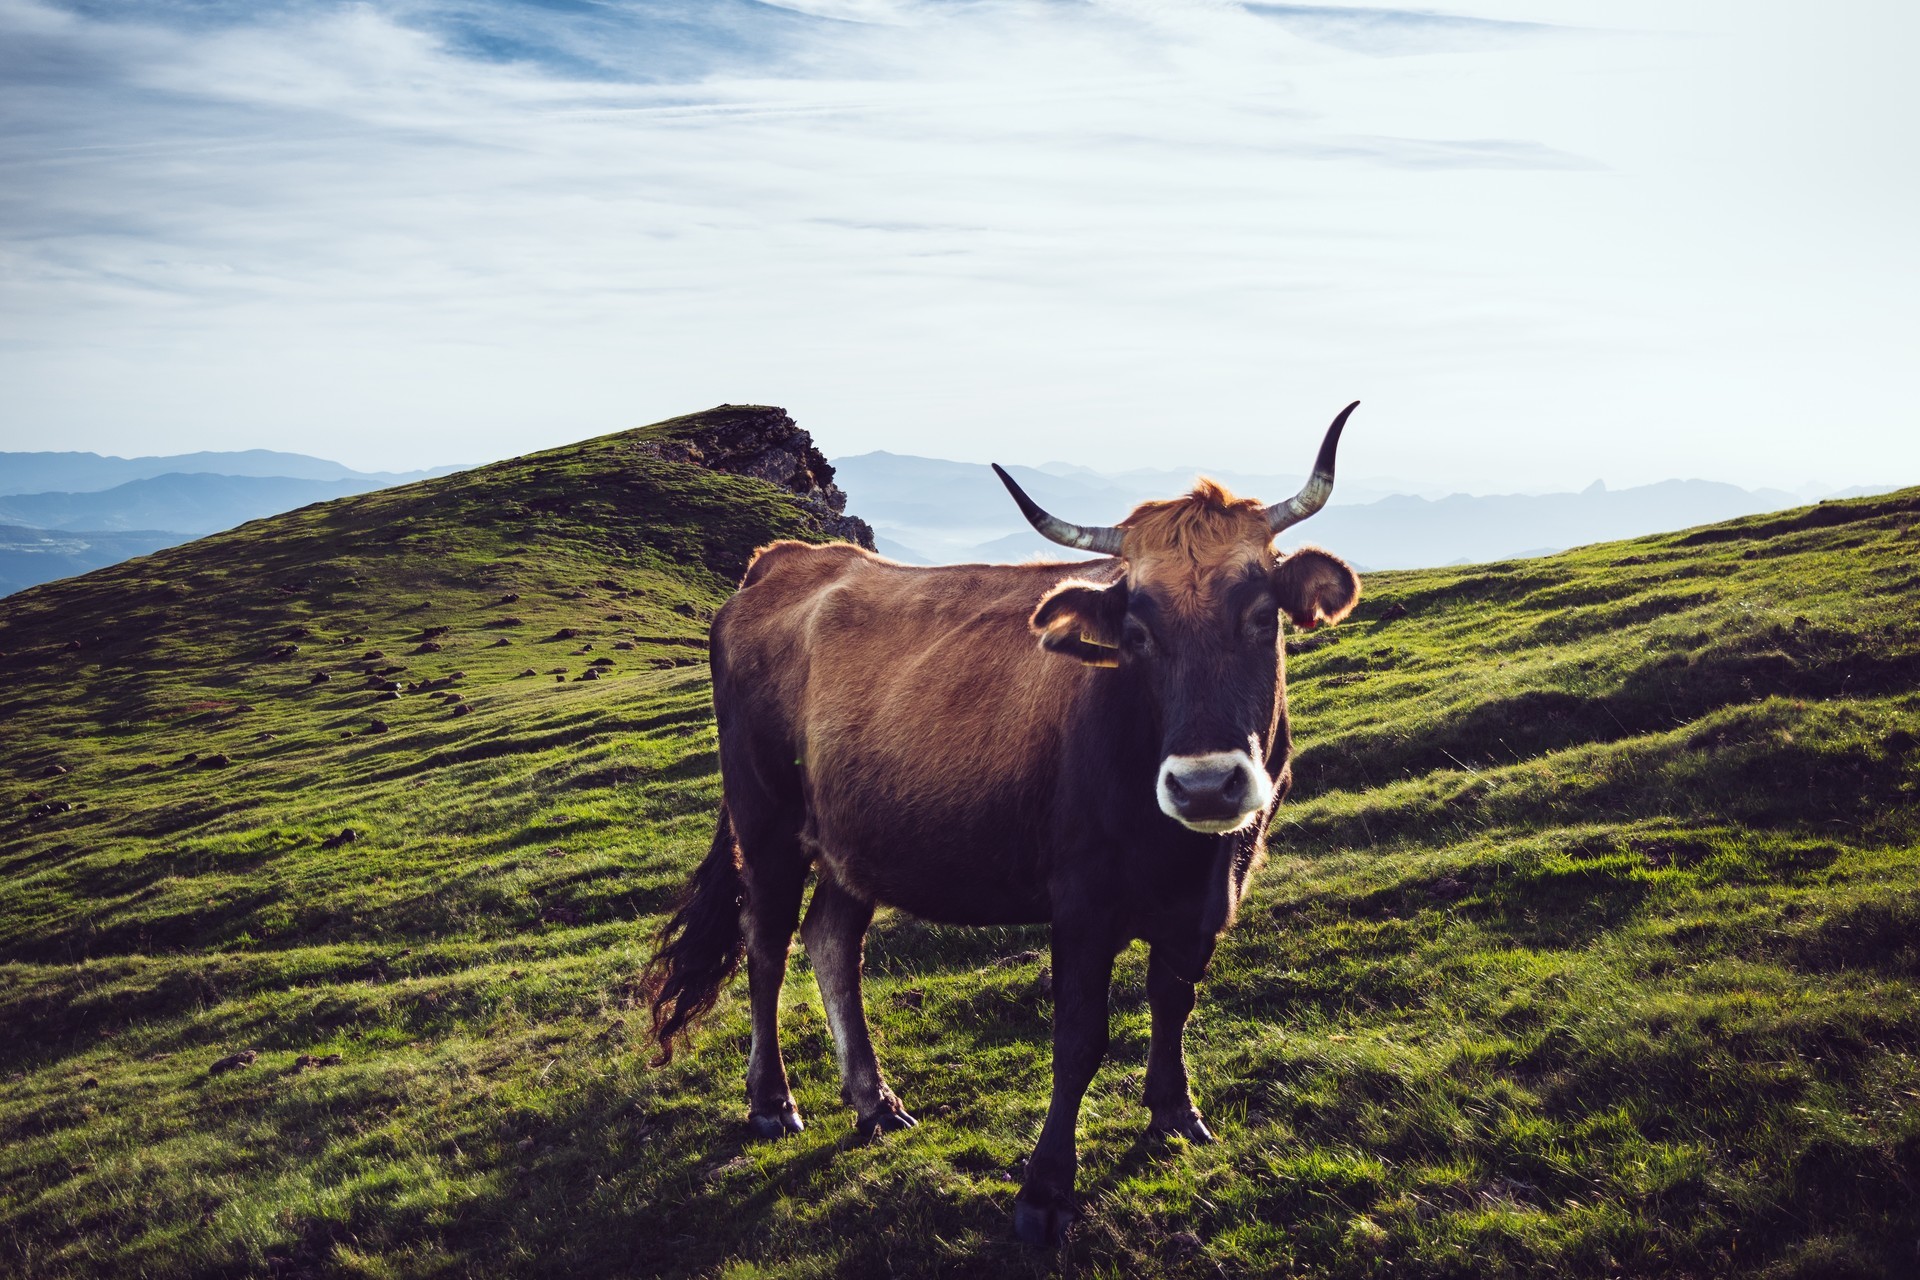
{"x": 919, "y": 851}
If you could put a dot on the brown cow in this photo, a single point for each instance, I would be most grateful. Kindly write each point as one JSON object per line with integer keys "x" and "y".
{"x": 897, "y": 731}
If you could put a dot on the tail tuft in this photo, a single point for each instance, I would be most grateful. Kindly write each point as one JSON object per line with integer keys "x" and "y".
{"x": 700, "y": 946}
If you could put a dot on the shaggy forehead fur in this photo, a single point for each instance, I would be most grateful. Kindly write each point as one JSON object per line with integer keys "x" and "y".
{"x": 1187, "y": 546}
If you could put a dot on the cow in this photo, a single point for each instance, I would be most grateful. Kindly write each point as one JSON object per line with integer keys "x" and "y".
{"x": 1097, "y": 746}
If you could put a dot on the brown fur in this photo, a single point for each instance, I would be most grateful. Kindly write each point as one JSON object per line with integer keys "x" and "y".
{"x": 1185, "y": 545}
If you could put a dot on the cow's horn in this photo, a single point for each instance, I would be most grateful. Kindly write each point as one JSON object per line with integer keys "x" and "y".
{"x": 1088, "y": 537}
{"x": 1319, "y": 486}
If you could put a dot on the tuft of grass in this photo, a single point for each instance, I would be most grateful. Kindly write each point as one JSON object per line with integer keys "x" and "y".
{"x": 1585, "y": 946}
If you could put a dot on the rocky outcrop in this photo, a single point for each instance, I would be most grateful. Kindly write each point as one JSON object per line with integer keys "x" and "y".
{"x": 762, "y": 441}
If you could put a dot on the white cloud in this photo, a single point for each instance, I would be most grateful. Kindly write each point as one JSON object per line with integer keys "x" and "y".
{"x": 1134, "y": 232}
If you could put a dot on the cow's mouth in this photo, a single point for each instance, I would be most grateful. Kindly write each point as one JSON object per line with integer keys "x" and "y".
{"x": 1214, "y": 793}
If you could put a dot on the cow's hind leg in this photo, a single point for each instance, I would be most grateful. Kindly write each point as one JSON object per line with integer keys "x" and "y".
{"x": 775, "y": 871}
{"x": 1168, "y": 1095}
{"x": 835, "y": 934}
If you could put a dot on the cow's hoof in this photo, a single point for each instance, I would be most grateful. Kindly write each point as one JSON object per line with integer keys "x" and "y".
{"x": 886, "y": 1120}
{"x": 1191, "y": 1127}
{"x": 1041, "y": 1226}
{"x": 771, "y": 1125}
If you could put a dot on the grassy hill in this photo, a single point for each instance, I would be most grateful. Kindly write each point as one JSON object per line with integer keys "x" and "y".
{"x": 1588, "y": 945}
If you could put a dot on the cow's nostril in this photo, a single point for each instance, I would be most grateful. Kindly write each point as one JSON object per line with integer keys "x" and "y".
{"x": 1176, "y": 788}
{"x": 1234, "y": 787}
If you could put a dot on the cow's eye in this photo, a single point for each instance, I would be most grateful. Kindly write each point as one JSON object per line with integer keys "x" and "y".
{"x": 1135, "y": 638}
{"x": 1262, "y": 626}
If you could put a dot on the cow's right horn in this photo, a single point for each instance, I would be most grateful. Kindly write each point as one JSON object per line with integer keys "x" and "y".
{"x": 1088, "y": 537}
{"x": 1319, "y": 487}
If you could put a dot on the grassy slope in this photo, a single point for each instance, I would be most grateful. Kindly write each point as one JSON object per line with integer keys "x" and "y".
{"x": 1588, "y": 942}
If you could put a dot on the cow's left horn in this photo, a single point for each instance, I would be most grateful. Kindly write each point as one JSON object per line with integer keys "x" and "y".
{"x": 1088, "y": 537}
{"x": 1319, "y": 486}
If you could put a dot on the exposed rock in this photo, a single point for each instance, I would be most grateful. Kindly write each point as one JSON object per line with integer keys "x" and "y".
{"x": 346, "y": 835}
{"x": 377, "y": 726}
{"x": 1393, "y": 611}
{"x": 762, "y": 441}
{"x": 307, "y": 1061}
{"x": 501, "y": 643}
{"x": 529, "y": 671}
{"x": 218, "y": 760}
{"x": 429, "y": 646}
{"x": 233, "y": 1062}
{"x": 319, "y": 677}
{"x": 623, "y": 644}
{"x": 567, "y": 633}
{"x": 509, "y": 598}
{"x": 603, "y": 662}
{"x": 462, "y": 709}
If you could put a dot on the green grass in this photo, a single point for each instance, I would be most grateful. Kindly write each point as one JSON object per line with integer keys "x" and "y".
{"x": 1588, "y": 944}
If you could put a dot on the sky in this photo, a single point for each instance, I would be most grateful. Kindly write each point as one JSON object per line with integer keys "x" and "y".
{"x": 1543, "y": 243}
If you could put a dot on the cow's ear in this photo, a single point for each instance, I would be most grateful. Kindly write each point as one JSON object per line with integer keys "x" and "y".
{"x": 1082, "y": 620}
{"x": 1314, "y": 587}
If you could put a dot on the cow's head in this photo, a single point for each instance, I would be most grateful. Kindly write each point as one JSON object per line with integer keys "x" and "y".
{"x": 1194, "y": 619}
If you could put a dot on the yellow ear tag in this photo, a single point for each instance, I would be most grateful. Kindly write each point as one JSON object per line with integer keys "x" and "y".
{"x": 1095, "y": 643}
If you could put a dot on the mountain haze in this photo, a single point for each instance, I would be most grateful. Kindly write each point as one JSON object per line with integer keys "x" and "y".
{"x": 332, "y": 846}
{"x": 191, "y": 504}
{"x": 46, "y": 472}
{"x": 68, "y": 513}
{"x": 934, "y": 511}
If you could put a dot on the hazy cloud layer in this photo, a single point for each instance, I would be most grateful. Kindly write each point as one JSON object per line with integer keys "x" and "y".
{"x": 1544, "y": 243}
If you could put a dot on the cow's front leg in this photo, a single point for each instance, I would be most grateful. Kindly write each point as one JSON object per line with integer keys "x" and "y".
{"x": 1168, "y": 1094}
{"x": 835, "y": 932}
{"x": 1082, "y": 972}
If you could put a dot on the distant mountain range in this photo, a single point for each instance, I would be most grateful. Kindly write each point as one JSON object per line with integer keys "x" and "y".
{"x": 67, "y": 513}
{"x": 193, "y": 504}
{"x": 63, "y": 514}
{"x": 934, "y": 511}
{"x": 92, "y": 472}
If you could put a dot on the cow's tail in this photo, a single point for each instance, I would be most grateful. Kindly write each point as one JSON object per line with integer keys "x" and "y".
{"x": 699, "y": 948}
